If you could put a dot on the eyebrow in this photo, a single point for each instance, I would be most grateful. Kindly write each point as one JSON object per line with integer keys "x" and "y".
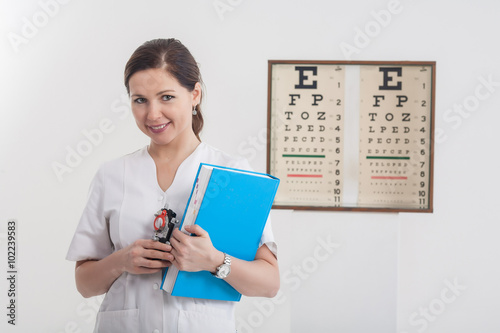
{"x": 165, "y": 91}
{"x": 157, "y": 94}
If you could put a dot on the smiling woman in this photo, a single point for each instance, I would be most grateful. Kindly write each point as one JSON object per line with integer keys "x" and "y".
{"x": 112, "y": 245}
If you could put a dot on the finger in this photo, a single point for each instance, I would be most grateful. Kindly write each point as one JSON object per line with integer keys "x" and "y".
{"x": 153, "y": 267}
{"x": 153, "y": 263}
{"x": 142, "y": 270}
{"x": 151, "y": 244}
{"x": 197, "y": 230}
{"x": 143, "y": 266}
{"x": 178, "y": 235}
{"x": 178, "y": 250}
{"x": 155, "y": 254}
{"x": 176, "y": 245}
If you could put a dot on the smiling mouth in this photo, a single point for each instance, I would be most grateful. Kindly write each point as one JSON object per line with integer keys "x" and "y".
{"x": 158, "y": 127}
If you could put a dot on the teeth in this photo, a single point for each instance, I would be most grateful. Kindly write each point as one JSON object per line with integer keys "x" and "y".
{"x": 158, "y": 127}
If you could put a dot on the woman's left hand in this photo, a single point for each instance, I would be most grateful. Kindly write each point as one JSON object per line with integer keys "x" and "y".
{"x": 194, "y": 253}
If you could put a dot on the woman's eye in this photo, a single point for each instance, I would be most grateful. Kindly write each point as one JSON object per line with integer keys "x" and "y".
{"x": 167, "y": 97}
{"x": 140, "y": 100}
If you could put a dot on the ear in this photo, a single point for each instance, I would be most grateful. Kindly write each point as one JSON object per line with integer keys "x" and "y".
{"x": 196, "y": 93}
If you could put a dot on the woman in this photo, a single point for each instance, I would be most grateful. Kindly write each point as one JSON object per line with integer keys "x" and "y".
{"x": 112, "y": 245}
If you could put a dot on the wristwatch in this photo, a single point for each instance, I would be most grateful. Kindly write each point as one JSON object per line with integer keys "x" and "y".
{"x": 224, "y": 269}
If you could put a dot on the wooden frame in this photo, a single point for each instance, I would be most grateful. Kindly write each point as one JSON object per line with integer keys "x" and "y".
{"x": 352, "y": 135}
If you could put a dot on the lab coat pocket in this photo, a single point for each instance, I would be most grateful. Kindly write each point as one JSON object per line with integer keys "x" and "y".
{"x": 122, "y": 321}
{"x": 193, "y": 321}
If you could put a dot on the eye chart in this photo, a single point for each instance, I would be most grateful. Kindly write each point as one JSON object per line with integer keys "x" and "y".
{"x": 351, "y": 135}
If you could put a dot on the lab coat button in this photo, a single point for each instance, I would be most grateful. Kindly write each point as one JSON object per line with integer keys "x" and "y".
{"x": 160, "y": 198}
{"x": 156, "y": 286}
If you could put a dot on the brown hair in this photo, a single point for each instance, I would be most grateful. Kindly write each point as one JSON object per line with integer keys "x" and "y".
{"x": 177, "y": 61}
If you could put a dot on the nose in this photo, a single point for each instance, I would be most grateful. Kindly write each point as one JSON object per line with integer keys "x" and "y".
{"x": 154, "y": 111}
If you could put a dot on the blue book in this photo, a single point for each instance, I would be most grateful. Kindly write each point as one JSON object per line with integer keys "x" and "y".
{"x": 232, "y": 205}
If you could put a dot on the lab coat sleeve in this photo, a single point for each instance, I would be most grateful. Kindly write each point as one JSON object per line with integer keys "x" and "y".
{"x": 91, "y": 239}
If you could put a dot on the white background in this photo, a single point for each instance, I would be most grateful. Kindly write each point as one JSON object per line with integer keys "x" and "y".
{"x": 62, "y": 77}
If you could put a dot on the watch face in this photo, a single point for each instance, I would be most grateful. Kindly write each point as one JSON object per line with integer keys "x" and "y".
{"x": 224, "y": 271}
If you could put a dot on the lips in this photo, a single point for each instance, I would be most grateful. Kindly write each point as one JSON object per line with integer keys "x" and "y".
{"x": 158, "y": 128}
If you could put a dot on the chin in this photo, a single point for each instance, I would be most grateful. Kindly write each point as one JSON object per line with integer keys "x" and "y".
{"x": 161, "y": 142}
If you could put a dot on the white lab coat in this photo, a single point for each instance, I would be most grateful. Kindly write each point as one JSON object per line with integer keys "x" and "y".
{"x": 123, "y": 198}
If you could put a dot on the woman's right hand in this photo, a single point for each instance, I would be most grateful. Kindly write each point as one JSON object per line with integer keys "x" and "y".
{"x": 146, "y": 256}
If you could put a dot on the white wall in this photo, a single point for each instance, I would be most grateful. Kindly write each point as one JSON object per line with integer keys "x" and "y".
{"x": 380, "y": 272}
